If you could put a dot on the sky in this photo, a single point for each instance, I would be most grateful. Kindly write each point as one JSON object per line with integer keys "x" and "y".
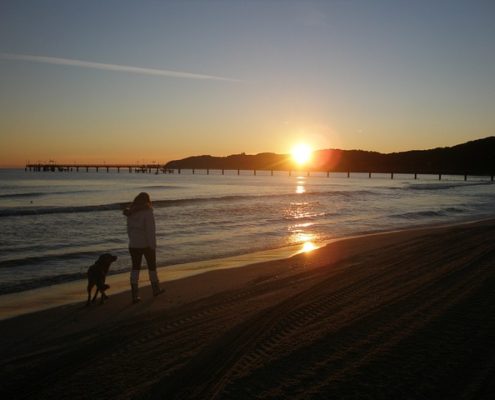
{"x": 142, "y": 81}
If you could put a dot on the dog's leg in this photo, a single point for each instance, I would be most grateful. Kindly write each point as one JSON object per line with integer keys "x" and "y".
{"x": 96, "y": 294}
{"x": 103, "y": 293}
{"x": 90, "y": 288}
{"x": 101, "y": 288}
{"x": 103, "y": 297}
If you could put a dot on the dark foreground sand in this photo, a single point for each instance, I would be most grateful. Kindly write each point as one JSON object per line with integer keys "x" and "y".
{"x": 407, "y": 315}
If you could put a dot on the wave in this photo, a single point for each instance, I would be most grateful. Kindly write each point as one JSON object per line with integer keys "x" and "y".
{"x": 41, "y": 194}
{"x": 24, "y": 211}
{"x": 91, "y": 256}
{"x": 456, "y": 210}
{"x": 429, "y": 213}
{"x": 445, "y": 186}
{"x": 21, "y": 195}
{"x": 161, "y": 187}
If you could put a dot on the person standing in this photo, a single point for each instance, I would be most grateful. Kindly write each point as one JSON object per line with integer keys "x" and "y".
{"x": 142, "y": 242}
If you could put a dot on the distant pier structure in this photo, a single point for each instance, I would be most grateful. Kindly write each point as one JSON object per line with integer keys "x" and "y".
{"x": 55, "y": 167}
{"x": 155, "y": 168}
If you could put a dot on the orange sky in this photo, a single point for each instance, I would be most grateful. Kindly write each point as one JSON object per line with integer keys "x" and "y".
{"x": 158, "y": 81}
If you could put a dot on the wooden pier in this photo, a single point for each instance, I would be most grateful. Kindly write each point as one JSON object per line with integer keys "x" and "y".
{"x": 155, "y": 168}
{"x": 53, "y": 167}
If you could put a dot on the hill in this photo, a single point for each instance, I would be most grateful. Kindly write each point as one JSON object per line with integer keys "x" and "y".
{"x": 475, "y": 157}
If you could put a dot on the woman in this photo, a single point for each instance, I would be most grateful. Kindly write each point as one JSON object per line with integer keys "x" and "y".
{"x": 142, "y": 241}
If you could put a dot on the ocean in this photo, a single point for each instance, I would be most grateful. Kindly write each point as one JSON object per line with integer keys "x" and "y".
{"x": 54, "y": 225}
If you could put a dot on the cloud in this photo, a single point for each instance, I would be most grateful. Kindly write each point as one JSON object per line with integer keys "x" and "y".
{"x": 111, "y": 67}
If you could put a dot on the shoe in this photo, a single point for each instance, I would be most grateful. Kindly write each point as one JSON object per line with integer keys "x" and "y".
{"x": 157, "y": 290}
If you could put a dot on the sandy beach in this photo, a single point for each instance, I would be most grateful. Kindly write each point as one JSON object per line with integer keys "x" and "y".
{"x": 402, "y": 315}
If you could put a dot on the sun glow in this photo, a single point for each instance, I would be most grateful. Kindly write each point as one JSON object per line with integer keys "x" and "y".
{"x": 308, "y": 246}
{"x": 301, "y": 154}
{"x": 305, "y": 240}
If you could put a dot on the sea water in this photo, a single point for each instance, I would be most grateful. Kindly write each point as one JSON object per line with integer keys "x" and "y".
{"x": 53, "y": 225}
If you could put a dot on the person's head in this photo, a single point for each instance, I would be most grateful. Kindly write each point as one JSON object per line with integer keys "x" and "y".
{"x": 142, "y": 200}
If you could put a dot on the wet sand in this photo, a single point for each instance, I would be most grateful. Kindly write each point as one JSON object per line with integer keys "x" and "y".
{"x": 25, "y": 302}
{"x": 404, "y": 315}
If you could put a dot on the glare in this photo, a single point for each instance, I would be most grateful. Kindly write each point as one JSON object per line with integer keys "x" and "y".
{"x": 300, "y": 188}
{"x": 308, "y": 246}
{"x": 301, "y": 154}
{"x": 305, "y": 239}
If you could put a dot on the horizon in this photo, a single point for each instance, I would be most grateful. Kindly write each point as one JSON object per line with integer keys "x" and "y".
{"x": 291, "y": 153}
{"x": 161, "y": 81}
{"x": 301, "y": 157}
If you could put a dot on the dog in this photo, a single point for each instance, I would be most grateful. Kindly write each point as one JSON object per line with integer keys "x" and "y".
{"x": 97, "y": 274}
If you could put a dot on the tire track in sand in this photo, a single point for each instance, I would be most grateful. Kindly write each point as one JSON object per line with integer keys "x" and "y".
{"x": 249, "y": 345}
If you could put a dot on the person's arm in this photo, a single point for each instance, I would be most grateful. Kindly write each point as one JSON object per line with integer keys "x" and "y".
{"x": 150, "y": 230}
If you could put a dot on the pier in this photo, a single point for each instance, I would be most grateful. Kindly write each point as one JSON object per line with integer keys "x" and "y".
{"x": 155, "y": 168}
{"x": 54, "y": 167}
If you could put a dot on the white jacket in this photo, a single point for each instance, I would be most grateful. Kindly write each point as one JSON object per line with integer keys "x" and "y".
{"x": 141, "y": 229}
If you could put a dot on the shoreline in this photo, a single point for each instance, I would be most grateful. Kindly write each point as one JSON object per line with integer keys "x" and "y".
{"x": 67, "y": 293}
{"x": 74, "y": 292}
{"x": 406, "y": 314}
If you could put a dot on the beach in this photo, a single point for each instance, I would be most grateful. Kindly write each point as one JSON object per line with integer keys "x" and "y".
{"x": 407, "y": 315}
{"x": 281, "y": 200}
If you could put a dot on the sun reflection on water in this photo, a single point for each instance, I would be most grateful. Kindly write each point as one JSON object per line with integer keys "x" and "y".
{"x": 300, "y": 233}
{"x": 300, "y": 210}
{"x": 300, "y": 185}
{"x": 308, "y": 246}
{"x": 305, "y": 239}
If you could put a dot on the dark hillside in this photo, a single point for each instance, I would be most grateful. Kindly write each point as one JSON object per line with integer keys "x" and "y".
{"x": 476, "y": 158}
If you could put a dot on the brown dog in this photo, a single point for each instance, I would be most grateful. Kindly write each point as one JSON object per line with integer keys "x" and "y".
{"x": 97, "y": 274}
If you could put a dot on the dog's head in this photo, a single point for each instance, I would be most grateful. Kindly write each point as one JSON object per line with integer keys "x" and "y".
{"x": 106, "y": 259}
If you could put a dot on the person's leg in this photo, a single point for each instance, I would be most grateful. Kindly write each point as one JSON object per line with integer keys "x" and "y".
{"x": 136, "y": 257}
{"x": 150, "y": 256}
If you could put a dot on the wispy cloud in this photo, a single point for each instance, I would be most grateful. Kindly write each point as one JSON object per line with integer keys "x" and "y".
{"x": 111, "y": 67}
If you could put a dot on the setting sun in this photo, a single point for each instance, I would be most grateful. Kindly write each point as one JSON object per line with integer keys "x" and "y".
{"x": 301, "y": 154}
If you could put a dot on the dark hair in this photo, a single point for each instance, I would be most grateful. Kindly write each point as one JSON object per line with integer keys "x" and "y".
{"x": 141, "y": 202}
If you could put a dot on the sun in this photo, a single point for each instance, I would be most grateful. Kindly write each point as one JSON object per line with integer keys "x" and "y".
{"x": 301, "y": 153}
